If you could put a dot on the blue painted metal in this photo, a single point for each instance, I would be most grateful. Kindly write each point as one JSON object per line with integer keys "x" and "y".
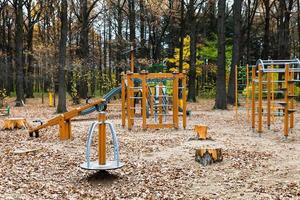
{"x": 102, "y": 106}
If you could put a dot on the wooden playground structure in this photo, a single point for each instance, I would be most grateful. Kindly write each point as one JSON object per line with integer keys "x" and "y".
{"x": 158, "y": 100}
{"x": 64, "y": 121}
{"x": 265, "y": 82}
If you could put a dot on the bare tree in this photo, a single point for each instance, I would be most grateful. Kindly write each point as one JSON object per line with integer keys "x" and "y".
{"x": 18, "y": 6}
{"x": 61, "y": 107}
{"x": 221, "y": 102}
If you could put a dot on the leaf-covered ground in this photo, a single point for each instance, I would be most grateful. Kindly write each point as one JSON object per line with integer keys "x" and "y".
{"x": 159, "y": 164}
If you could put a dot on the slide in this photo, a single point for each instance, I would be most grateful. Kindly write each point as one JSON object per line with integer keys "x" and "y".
{"x": 102, "y": 106}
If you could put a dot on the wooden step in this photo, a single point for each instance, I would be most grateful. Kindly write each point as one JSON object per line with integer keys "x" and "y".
{"x": 291, "y": 110}
{"x": 291, "y": 96}
{"x": 282, "y": 103}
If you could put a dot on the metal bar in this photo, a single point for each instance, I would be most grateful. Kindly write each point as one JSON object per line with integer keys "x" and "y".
{"x": 269, "y": 100}
{"x": 253, "y": 97}
{"x": 136, "y": 97}
{"x": 286, "y": 115}
{"x": 292, "y": 92}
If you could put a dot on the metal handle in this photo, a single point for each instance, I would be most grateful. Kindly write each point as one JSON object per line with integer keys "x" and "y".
{"x": 90, "y": 139}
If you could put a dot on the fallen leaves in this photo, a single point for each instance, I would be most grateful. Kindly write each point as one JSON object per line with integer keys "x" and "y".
{"x": 159, "y": 164}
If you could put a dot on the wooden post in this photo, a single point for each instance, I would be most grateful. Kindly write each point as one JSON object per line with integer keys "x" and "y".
{"x": 102, "y": 139}
{"x": 123, "y": 96}
{"x": 132, "y": 59}
{"x": 160, "y": 100}
{"x": 175, "y": 100}
{"x": 253, "y": 97}
{"x": 286, "y": 100}
{"x": 247, "y": 93}
{"x": 236, "y": 92}
{"x": 269, "y": 99}
{"x": 184, "y": 100}
{"x": 260, "y": 93}
{"x": 144, "y": 97}
{"x": 63, "y": 135}
{"x": 130, "y": 99}
{"x": 68, "y": 128}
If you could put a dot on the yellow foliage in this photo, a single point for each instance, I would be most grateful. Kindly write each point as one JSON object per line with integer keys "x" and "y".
{"x": 186, "y": 55}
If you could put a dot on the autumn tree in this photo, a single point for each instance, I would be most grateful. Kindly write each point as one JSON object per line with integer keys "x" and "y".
{"x": 61, "y": 107}
{"x": 221, "y": 72}
{"x": 18, "y": 6}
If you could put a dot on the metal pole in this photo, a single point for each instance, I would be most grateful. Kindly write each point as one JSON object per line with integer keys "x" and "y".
{"x": 286, "y": 113}
{"x": 292, "y": 93}
{"x": 253, "y": 97}
{"x": 269, "y": 99}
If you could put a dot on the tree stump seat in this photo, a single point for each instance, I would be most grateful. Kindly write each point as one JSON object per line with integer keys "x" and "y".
{"x": 12, "y": 123}
{"x": 207, "y": 156}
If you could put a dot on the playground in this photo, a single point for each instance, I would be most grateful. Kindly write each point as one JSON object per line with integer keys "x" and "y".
{"x": 139, "y": 99}
{"x": 158, "y": 163}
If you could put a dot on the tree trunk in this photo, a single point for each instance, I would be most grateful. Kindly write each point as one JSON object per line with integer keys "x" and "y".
{"x": 109, "y": 50}
{"x": 61, "y": 107}
{"x": 193, "y": 43}
{"x": 131, "y": 4}
{"x": 10, "y": 80}
{"x": 265, "y": 52}
{"x": 143, "y": 52}
{"x": 120, "y": 45}
{"x": 84, "y": 48}
{"x": 298, "y": 26}
{"x": 30, "y": 70}
{"x": 19, "y": 52}
{"x": 221, "y": 72}
{"x": 237, "y": 9}
{"x": 181, "y": 36}
{"x": 284, "y": 32}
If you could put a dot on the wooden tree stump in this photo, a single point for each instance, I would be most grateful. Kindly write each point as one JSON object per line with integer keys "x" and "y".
{"x": 201, "y": 132}
{"x": 12, "y": 123}
{"x": 207, "y": 156}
